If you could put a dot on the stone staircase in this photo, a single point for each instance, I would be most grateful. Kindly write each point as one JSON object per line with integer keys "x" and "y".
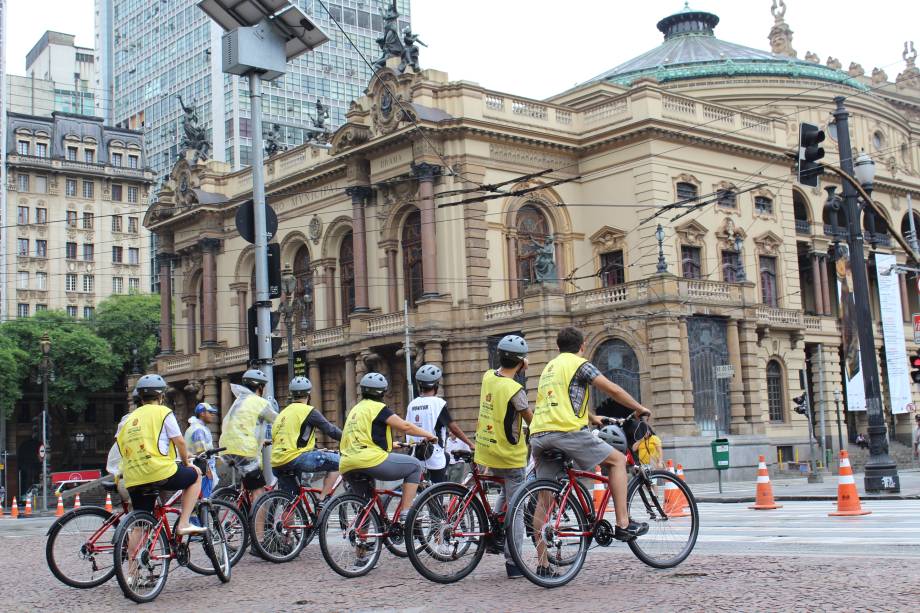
{"x": 901, "y": 454}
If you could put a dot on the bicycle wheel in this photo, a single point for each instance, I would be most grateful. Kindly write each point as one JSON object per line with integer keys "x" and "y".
{"x": 236, "y": 534}
{"x": 548, "y": 537}
{"x": 79, "y": 547}
{"x": 283, "y": 527}
{"x": 445, "y": 531}
{"x": 142, "y": 556}
{"x": 669, "y": 539}
{"x": 231, "y": 494}
{"x": 215, "y": 543}
{"x": 350, "y": 535}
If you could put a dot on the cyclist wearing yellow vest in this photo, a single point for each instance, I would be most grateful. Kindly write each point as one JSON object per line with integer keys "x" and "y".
{"x": 561, "y": 420}
{"x": 294, "y": 439}
{"x": 149, "y": 441}
{"x": 243, "y": 430}
{"x": 367, "y": 440}
{"x": 500, "y": 443}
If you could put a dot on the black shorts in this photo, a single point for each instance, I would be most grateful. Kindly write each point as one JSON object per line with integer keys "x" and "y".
{"x": 141, "y": 500}
{"x": 254, "y": 479}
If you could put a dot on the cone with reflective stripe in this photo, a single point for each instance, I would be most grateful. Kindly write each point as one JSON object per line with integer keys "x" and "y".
{"x": 764, "y": 498}
{"x": 108, "y": 502}
{"x": 60, "y": 506}
{"x": 28, "y": 506}
{"x": 598, "y": 492}
{"x": 680, "y": 475}
{"x": 674, "y": 501}
{"x": 847, "y": 496}
{"x": 14, "y": 511}
{"x": 76, "y": 502}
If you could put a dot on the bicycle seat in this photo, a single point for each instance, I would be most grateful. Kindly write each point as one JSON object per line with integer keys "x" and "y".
{"x": 360, "y": 477}
{"x": 108, "y": 486}
{"x": 554, "y": 455}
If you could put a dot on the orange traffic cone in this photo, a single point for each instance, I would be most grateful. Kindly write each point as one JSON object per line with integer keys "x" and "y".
{"x": 76, "y": 502}
{"x": 14, "y": 512}
{"x": 764, "y": 499}
{"x": 108, "y": 502}
{"x": 60, "y": 506}
{"x": 680, "y": 475}
{"x": 598, "y": 492}
{"x": 673, "y": 499}
{"x": 28, "y": 506}
{"x": 847, "y": 496}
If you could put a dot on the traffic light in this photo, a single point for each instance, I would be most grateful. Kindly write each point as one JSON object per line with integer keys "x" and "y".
{"x": 253, "y": 339}
{"x": 801, "y": 404}
{"x": 915, "y": 367}
{"x": 807, "y": 165}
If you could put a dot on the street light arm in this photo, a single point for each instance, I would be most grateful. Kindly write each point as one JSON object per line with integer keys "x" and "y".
{"x": 913, "y": 255}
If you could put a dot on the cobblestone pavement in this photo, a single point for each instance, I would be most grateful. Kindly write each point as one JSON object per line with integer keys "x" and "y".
{"x": 745, "y": 575}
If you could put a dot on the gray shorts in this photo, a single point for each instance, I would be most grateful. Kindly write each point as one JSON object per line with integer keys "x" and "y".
{"x": 580, "y": 446}
{"x": 396, "y": 467}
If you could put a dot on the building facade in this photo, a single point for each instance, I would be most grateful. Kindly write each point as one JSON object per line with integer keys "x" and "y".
{"x": 441, "y": 194}
{"x": 76, "y": 194}
{"x": 150, "y": 52}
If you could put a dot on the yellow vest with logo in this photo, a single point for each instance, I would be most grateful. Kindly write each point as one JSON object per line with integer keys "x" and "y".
{"x": 239, "y": 432}
{"x": 357, "y": 448}
{"x": 496, "y": 418}
{"x": 138, "y": 443}
{"x": 554, "y": 411}
{"x": 286, "y": 432}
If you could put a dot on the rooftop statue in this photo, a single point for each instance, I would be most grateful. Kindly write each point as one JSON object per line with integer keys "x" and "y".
{"x": 194, "y": 137}
{"x": 390, "y": 43}
{"x": 781, "y": 34}
{"x": 410, "y": 51}
{"x": 274, "y": 141}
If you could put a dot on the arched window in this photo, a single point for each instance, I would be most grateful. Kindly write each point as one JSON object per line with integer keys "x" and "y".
{"x": 532, "y": 227}
{"x": 800, "y": 211}
{"x": 412, "y": 258}
{"x": 775, "y": 395}
{"x": 347, "y": 275}
{"x": 617, "y": 361}
{"x": 686, "y": 191}
{"x": 303, "y": 272}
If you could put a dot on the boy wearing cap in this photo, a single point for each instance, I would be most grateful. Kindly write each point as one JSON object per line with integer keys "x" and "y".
{"x": 198, "y": 439}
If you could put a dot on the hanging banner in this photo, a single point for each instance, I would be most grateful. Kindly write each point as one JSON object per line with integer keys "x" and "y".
{"x": 889, "y": 298}
{"x": 852, "y": 367}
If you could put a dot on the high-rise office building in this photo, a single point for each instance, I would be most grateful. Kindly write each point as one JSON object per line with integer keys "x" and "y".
{"x": 148, "y": 53}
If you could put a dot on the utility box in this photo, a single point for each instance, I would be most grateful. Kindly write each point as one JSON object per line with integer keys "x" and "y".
{"x": 255, "y": 49}
{"x": 720, "y": 454}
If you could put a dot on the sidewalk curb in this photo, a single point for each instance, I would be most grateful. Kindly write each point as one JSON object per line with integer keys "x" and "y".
{"x": 793, "y": 498}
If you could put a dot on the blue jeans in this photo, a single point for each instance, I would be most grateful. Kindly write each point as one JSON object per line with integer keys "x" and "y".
{"x": 308, "y": 462}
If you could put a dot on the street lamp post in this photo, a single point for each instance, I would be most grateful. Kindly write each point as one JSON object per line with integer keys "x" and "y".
{"x": 881, "y": 471}
{"x": 288, "y": 286}
{"x": 78, "y": 438}
{"x": 45, "y": 365}
{"x": 662, "y": 265}
{"x": 837, "y": 398}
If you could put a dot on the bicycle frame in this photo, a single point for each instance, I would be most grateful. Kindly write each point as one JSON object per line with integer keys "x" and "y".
{"x": 473, "y": 491}
{"x": 160, "y": 512}
{"x": 303, "y": 499}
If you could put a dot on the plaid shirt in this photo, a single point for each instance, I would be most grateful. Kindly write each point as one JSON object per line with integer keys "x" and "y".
{"x": 578, "y": 388}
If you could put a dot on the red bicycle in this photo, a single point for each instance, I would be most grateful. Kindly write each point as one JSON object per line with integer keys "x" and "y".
{"x": 450, "y": 525}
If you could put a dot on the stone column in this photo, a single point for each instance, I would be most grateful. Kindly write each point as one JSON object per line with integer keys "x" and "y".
{"x": 905, "y": 304}
{"x": 329, "y": 274}
{"x": 825, "y": 288}
{"x": 752, "y": 373}
{"x": 511, "y": 250}
{"x": 190, "y": 324}
{"x": 226, "y": 396}
{"x": 736, "y": 384}
{"x": 685, "y": 366}
{"x": 350, "y": 383}
{"x": 434, "y": 354}
{"x": 359, "y": 195}
{"x": 210, "y": 389}
{"x": 426, "y": 173}
{"x": 242, "y": 307}
{"x": 166, "y": 313}
{"x": 667, "y": 376}
{"x": 209, "y": 248}
{"x": 317, "y": 394}
{"x": 392, "y": 249}
{"x": 816, "y": 283}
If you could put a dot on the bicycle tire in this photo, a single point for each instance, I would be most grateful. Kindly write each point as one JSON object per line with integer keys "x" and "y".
{"x": 231, "y": 494}
{"x": 342, "y": 531}
{"x": 267, "y": 547}
{"x": 234, "y": 523}
{"x": 415, "y": 532}
{"x": 656, "y": 522}
{"x": 517, "y": 539}
{"x": 128, "y": 584}
{"x": 54, "y": 533}
{"x": 215, "y": 542}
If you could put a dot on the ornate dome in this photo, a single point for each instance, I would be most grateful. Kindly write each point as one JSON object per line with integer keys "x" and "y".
{"x": 691, "y": 50}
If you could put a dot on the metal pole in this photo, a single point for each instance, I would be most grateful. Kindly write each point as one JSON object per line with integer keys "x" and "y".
{"x": 881, "y": 471}
{"x": 406, "y": 351}
{"x": 912, "y": 239}
{"x": 813, "y": 476}
{"x": 839, "y": 429}
{"x": 263, "y": 303}
{"x": 288, "y": 322}
{"x": 823, "y": 393}
{"x": 44, "y": 434}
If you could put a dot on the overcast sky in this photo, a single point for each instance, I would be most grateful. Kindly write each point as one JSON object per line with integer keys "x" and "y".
{"x": 536, "y": 48}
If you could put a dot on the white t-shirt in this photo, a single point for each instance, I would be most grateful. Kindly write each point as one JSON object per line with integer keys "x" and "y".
{"x": 455, "y": 444}
{"x": 424, "y": 412}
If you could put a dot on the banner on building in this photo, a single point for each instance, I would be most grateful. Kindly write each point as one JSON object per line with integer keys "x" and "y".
{"x": 300, "y": 363}
{"x": 852, "y": 367}
{"x": 889, "y": 298}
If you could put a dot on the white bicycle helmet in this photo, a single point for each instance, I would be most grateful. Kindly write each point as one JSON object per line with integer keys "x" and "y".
{"x": 374, "y": 384}
{"x": 429, "y": 374}
{"x": 614, "y": 436}
{"x": 300, "y": 385}
{"x": 512, "y": 346}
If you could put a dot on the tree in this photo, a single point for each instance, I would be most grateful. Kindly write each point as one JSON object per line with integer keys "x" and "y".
{"x": 130, "y": 322}
{"x": 83, "y": 362}
{"x": 13, "y": 370}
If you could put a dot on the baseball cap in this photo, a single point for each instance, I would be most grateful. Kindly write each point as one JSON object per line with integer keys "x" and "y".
{"x": 204, "y": 406}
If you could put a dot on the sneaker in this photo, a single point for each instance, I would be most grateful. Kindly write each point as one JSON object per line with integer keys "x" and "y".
{"x": 630, "y": 532}
{"x": 514, "y": 572}
{"x": 362, "y": 556}
{"x": 546, "y": 571}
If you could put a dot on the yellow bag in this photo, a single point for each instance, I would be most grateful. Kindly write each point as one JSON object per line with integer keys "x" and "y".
{"x": 649, "y": 449}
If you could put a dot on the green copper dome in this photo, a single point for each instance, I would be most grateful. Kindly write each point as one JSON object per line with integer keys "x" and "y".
{"x": 691, "y": 50}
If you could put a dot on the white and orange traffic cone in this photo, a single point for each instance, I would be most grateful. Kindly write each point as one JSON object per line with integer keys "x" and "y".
{"x": 680, "y": 475}
{"x": 764, "y": 499}
{"x": 60, "y": 506}
{"x": 28, "y": 507}
{"x": 847, "y": 496}
{"x": 14, "y": 511}
{"x": 76, "y": 502}
{"x": 597, "y": 493}
{"x": 108, "y": 502}
{"x": 673, "y": 498}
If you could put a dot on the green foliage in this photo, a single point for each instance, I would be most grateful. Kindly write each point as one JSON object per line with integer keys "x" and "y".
{"x": 13, "y": 370}
{"x": 128, "y": 322}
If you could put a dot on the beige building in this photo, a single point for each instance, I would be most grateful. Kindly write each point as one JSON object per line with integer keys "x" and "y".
{"x": 440, "y": 193}
{"x": 76, "y": 194}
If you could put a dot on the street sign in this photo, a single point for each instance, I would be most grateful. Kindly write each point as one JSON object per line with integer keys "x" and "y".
{"x": 724, "y": 371}
{"x": 245, "y": 223}
{"x": 274, "y": 270}
{"x": 917, "y": 326}
{"x": 300, "y": 363}
{"x": 41, "y": 452}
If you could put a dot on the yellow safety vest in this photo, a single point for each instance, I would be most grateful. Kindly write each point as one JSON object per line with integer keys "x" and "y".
{"x": 357, "y": 448}
{"x": 286, "y": 432}
{"x": 554, "y": 411}
{"x": 239, "y": 428}
{"x": 496, "y": 420}
{"x": 138, "y": 443}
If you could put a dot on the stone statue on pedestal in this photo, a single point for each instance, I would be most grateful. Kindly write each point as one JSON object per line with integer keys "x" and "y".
{"x": 544, "y": 263}
{"x": 194, "y": 137}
